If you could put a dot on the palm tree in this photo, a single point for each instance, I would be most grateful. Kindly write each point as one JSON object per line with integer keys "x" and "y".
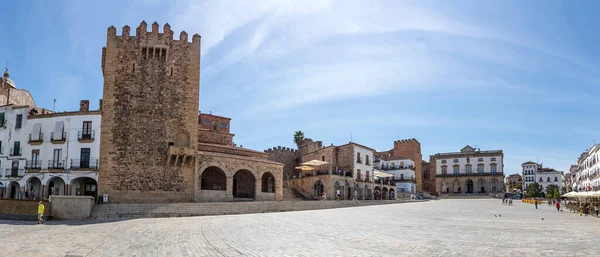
{"x": 298, "y": 137}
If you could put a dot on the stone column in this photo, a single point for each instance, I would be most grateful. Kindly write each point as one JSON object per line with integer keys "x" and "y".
{"x": 229, "y": 188}
{"x": 258, "y": 189}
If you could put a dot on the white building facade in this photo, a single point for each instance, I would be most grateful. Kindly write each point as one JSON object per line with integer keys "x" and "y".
{"x": 536, "y": 173}
{"x": 49, "y": 154}
{"x": 403, "y": 170}
{"x": 529, "y": 173}
{"x": 587, "y": 177}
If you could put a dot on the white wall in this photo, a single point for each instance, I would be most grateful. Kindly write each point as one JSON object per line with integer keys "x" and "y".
{"x": 364, "y": 168}
{"x": 462, "y": 161}
{"x": 544, "y": 176}
{"x": 529, "y": 174}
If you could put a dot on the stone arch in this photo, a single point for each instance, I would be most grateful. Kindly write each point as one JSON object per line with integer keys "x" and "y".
{"x": 318, "y": 188}
{"x": 268, "y": 183}
{"x": 481, "y": 186}
{"x": 244, "y": 184}
{"x": 470, "y": 186}
{"x": 55, "y": 186}
{"x": 13, "y": 190}
{"x": 339, "y": 185}
{"x": 182, "y": 139}
{"x": 384, "y": 194}
{"x": 84, "y": 185}
{"x": 456, "y": 186}
{"x": 494, "y": 185}
{"x": 34, "y": 188}
{"x": 213, "y": 178}
{"x": 377, "y": 192}
{"x": 392, "y": 194}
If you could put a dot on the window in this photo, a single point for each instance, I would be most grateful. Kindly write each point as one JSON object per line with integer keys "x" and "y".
{"x": 548, "y": 179}
{"x": 493, "y": 168}
{"x": 444, "y": 170}
{"x": 56, "y": 163}
{"x": 443, "y": 161}
{"x": 1, "y": 119}
{"x": 84, "y": 161}
{"x": 87, "y": 129}
{"x": 493, "y": 159}
{"x": 541, "y": 180}
{"x": 455, "y": 161}
{"x": 206, "y": 122}
{"x": 479, "y": 159}
{"x": 323, "y": 158}
{"x": 480, "y": 168}
{"x": 468, "y": 167}
{"x": 19, "y": 121}
{"x": 223, "y": 125}
{"x": 456, "y": 168}
{"x": 358, "y": 174}
{"x": 16, "y": 151}
{"x": 555, "y": 179}
{"x": 1, "y": 149}
{"x": 358, "y": 158}
{"x": 367, "y": 160}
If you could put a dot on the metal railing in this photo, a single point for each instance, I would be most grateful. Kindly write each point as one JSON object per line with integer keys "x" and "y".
{"x": 40, "y": 139}
{"x": 406, "y": 179}
{"x": 397, "y": 167}
{"x": 56, "y": 164}
{"x": 91, "y": 163}
{"x": 33, "y": 164}
{"x": 86, "y": 134}
{"x": 16, "y": 151}
{"x": 64, "y": 136}
{"x": 14, "y": 173}
{"x": 472, "y": 174}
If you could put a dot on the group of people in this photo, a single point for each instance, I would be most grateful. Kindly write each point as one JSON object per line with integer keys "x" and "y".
{"x": 507, "y": 201}
{"x": 338, "y": 195}
{"x": 583, "y": 208}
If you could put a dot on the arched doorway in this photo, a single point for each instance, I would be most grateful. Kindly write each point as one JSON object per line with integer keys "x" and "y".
{"x": 84, "y": 186}
{"x": 469, "y": 186}
{"x": 494, "y": 185}
{"x": 481, "y": 186}
{"x": 268, "y": 183}
{"x": 34, "y": 186}
{"x": 213, "y": 178}
{"x": 318, "y": 188}
{"x": 14, "y": 190}
{"x": 384, "y": 193}
{"x": 455, "y": 186}
{"x": 392, "y": 194}
{"x": 243, "y": 184}
{"x": 56, "y": 186}
{"x": 339, "y": 190}
{"x": 377, "y": 193}
{"x": 366, "y": 193}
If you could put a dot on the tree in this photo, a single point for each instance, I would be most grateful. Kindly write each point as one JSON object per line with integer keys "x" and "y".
{"x": 556, "y": 194}
{"x": 550, "y": 191}
{"x": 298, "y": 137}
{"x": 533, "y": 190}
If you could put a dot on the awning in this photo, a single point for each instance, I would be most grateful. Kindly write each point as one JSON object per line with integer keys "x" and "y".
{"x": 304, "y": 168}
{"x": 382, "y": 174}
{"x": 582, "y": 194}
{"x": 313, "y": 163}
{"x": 59, "y": 127}
{"x": 37, "y": 129}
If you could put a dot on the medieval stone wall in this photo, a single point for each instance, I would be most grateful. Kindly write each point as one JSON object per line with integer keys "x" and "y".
{"x": 308, "y": 145}
{"x": 151, "y": 92}
{"x": 215, "y": 137}
{"x": 346, "y": 158}
{"x": 290, "y": 158}
{"x": 411, "y": 148}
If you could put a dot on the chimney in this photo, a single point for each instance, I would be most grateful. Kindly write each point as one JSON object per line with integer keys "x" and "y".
{"x": 84, "y": 106}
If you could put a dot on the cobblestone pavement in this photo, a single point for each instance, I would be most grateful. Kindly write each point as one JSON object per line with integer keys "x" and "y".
{"x": 436, "y": 228}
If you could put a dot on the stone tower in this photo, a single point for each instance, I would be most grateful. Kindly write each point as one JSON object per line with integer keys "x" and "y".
{"x": 149, "y": 115}
{"x": 411, "y": 148}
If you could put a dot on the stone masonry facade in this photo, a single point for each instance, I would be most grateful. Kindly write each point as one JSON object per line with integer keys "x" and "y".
{"x": 411, "y": 148}
{"x": 289, "y": 157}
{"x": 150, "y": 102}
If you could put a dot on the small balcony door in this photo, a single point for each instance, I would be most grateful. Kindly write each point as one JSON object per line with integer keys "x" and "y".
{"x": 56, "y": 158}
{"x": 15, "y": 169}
{"x": 87, "y": 130}
{"x": 35, "y": 157}
{"x": 85, "y": 158}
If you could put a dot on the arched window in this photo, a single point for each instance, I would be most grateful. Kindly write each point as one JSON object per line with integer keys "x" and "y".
{"x": 268, "y": 183}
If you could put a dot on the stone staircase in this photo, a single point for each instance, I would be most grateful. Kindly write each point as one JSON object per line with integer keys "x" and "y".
{"x": 163, "y": 210}
{"x": 290, "y": 194}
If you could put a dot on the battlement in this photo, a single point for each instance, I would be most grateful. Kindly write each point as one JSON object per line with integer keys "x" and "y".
{"x": 279, "y": 149}
{"x": 406, "y": 141}
{"x": 141, "y": 32}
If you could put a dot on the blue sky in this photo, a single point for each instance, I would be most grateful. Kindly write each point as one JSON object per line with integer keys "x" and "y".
{"x": 520, "y": 76}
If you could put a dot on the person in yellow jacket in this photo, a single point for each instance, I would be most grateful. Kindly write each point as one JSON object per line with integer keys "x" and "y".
{"x": 41, "y": 213}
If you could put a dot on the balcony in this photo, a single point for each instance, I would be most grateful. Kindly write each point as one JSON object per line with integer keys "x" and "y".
{"x": 398, "y": 168}
{"x": 14, "y": 173}
{"x": 86, "y": 135}
{"x": 90, "y": 164}
{"x": 16, "y": 151}
{"x": 33, "y": 165}
{"x": 406, "y": 179}
{"x": 36, "y": 139}
{"x": 470, "y": 175}
{"x": 56, "y": 165}
{"x": 58, "y": 139}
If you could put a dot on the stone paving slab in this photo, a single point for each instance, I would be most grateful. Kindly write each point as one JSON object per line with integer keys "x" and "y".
{"x": 436, "y": 228}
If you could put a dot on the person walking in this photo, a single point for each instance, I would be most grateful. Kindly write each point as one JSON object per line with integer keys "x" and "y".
{"x": 324, "y": 195}
{"x": 355, "y": 194}
{"x": 558, "y": 206}
{"x": 535, "y": 202}
{"x": 40, "y": 213}
{"x": 596, "y": 210}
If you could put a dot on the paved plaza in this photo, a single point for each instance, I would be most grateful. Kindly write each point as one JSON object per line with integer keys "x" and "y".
{"x": 435, "y": 228}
